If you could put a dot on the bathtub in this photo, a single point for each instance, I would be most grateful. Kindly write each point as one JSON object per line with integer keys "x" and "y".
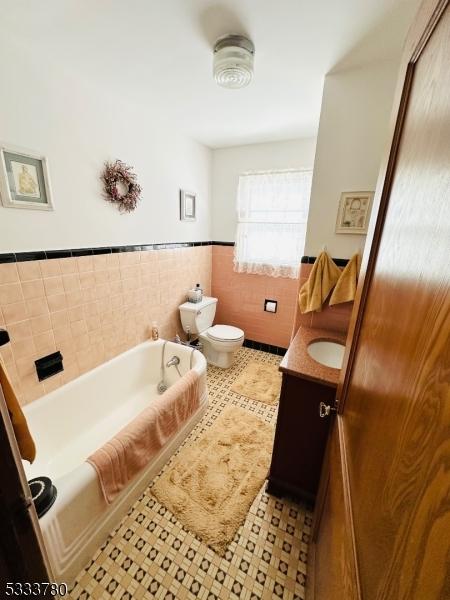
{"x": 73, "y": 421}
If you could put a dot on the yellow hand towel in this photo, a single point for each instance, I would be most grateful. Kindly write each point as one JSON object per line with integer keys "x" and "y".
{"x": 345, "y": 289}
{"x": 19, "y": 423}
{"x": 322, "y": 279}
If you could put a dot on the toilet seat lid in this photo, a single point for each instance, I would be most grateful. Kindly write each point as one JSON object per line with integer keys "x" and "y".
{"x": 225, "y": 332}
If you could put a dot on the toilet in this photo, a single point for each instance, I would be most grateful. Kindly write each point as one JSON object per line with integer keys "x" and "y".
{"x": 220, "y": 342}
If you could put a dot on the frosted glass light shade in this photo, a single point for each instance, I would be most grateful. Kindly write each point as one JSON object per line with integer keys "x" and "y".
{"x": 233, "y": 61}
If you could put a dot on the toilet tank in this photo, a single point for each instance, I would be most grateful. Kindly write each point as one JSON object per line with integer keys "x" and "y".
{"x": 198, "y": 316}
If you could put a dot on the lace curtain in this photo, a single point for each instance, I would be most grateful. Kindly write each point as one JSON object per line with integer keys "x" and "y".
{"x": 272, "y": 210}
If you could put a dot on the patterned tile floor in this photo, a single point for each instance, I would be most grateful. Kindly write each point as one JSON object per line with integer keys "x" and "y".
{"x": 151, "y": 555}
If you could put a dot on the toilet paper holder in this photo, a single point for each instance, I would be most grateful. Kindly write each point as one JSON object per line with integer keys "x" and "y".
{"x": 270, "y": 305}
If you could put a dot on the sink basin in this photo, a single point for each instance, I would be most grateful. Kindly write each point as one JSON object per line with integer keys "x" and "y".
{"x": 330, "y": 354}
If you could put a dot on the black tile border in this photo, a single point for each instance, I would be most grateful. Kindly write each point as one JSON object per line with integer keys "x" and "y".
{"x": 11, "y": 257}
{"x": 81, "y": 252}
{"x": 74, "y": 252}
{"x": 310, "y": 260}
{"x": 57, "y": 254}
{"x": 265, "y": 347}
{"x": 7, "y": 258}
{"x": 26, "y": 256}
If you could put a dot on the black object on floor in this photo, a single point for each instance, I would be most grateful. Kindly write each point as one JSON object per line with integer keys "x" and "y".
{"x": 44, "y": 494}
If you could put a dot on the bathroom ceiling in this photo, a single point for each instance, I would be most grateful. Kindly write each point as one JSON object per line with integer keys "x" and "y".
{"x": 158, "y": 54}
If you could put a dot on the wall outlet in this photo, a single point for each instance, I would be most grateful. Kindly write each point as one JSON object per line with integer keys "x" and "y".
{"x": 270, "y": 305}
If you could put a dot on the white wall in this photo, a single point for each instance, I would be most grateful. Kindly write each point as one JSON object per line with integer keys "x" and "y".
{"x": 229, "y": 163}
{"x": 353, "y": 130}
{"x": 43, "y": 108}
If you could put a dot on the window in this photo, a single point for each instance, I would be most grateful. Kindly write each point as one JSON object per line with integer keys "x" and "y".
{"x": 272, "y": 210}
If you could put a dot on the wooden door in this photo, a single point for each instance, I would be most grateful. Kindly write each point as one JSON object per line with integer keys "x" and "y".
{"x": 22, "y": 554}
{"x": 332, "y": 572}
{"x": 384, "y": 529}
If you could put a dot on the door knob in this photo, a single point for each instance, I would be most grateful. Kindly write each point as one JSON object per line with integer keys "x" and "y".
{"x": 325, "y": 410}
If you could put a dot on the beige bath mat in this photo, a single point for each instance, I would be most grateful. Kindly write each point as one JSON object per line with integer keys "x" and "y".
{"x": 212, "y": 484}
{"x": 259, "y": 381}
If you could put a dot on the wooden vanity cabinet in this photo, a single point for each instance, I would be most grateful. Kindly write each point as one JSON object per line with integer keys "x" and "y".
{"x": 300, "y": 438}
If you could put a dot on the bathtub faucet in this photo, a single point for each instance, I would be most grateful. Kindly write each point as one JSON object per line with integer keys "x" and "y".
{"x": 174, "y": 361}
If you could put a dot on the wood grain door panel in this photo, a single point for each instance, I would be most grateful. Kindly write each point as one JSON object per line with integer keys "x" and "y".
{"x": 397, "y": 410}
{"x": 22, "y": 554}
{"x": 394, "y": 426}
{"x": 335, "y": 570}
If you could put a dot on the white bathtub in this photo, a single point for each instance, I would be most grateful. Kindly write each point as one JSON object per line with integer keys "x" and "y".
{"x": 72, "y": 422}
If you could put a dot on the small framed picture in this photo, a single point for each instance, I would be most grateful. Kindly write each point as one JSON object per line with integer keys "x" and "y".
{"x": 24, "y": 180}
{"x": 354, "y": 212}
{"x": 187, "y": 205}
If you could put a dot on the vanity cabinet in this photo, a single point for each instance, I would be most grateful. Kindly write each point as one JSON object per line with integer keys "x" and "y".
{"x": 301, "y": 434}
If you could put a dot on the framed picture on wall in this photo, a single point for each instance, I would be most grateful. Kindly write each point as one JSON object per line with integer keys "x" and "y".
{"x": 24, "y": 180}
{"x": 187, "y": 205}
{"x": 354, "y": 212}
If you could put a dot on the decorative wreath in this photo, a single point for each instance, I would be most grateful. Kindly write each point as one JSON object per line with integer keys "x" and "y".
{"x": 118, "y": 172}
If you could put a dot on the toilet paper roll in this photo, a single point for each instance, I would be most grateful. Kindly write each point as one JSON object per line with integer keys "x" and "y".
{"x": 271, "y": 307}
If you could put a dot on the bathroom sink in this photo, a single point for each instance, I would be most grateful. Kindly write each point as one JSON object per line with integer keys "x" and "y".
{"x": 330, "y": 354}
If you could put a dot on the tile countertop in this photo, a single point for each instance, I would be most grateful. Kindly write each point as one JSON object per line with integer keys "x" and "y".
{"x": 298, "y": 362}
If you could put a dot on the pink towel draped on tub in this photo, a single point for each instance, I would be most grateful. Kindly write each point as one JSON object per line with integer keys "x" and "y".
{"x": 121, "y": 459}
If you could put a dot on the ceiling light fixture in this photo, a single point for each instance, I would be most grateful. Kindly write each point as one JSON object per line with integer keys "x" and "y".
{"x": 233, "y": 61}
